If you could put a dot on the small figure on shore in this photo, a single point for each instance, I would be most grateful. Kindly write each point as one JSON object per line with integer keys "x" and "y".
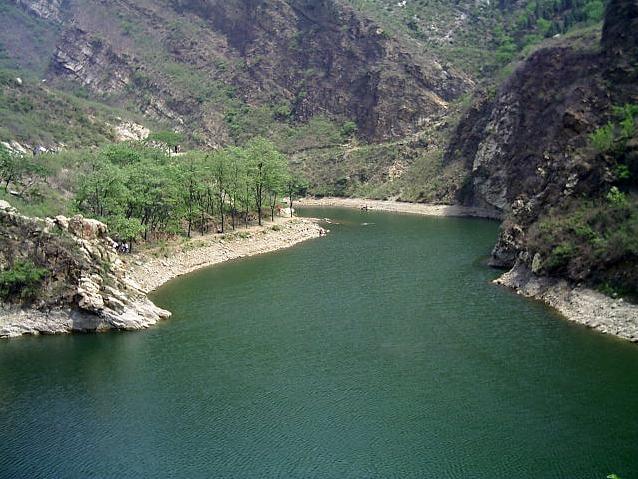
{"x": 122, "y": 247}
{"x": 364, "y": 208}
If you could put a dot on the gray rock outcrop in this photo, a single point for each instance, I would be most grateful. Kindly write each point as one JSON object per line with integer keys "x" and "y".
{"x": 85, "y": 288}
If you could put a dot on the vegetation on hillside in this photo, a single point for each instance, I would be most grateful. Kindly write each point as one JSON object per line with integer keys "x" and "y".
{"x": 595, "y": 240}
{"x": 143, "y": 191}
{"x": 480, "y": 37}
{"x": 33, "y": 113}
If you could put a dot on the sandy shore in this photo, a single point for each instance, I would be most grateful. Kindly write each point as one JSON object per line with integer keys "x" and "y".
{"x": 401, "y": 207}
{"x": 578, "y": 304}
{"x": 152, "y": 268}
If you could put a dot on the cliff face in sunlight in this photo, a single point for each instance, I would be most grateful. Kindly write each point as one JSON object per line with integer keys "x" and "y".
{"x": 80, "y": 284}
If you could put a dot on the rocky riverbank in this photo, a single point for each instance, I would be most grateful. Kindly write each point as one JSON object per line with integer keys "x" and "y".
{"x": 73, "y": 280}
{"x": 150, "y": 269}
{"x": 402, "y": 207}
{"x": 575, "y": 303}
{"x": 88, "y": 287}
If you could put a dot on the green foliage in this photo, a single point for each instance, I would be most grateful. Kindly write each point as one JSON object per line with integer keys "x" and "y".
{"x": 560, "y": 256}
{"x": 170, "y": 139}
{"x": 142, "y": 191}
{"x": 612, "y": 140}
{"x": 22, "y": 281}
{"x": 127, "y": 229}
{"x": 348, "y": 129}
{"x": 627, "y": 120}
{"x": 496, "y": 33}
{"x": 603, "y": 138}
{"x": 33, "y": 113}
{"x": 594, "y": 10}
{"x": 22, "y": 171}
{"x": 616, "y": 197}
{"x": 595, "y": 242}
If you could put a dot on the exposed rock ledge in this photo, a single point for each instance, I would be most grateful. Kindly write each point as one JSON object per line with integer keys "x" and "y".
{"x": 149, "y": 271}
{"x": 80, "y": 295}
{"x": 85, "y": 289}
{"x": 578, "y": 304}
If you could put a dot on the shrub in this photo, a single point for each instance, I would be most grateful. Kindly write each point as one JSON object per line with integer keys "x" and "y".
{"x": 348, "y": 129}
{"x": 593, "y": 241}
{"x": 603, "y": 138}
{"x": 616, "y": 197}
{"x": 560, "y": 256}
{"x": 22, "y": 281}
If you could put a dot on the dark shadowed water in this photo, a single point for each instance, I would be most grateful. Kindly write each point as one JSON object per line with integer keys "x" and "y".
{"x": 381, "y": 351}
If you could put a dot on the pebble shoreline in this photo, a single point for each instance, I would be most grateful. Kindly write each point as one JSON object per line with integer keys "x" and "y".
{"x": 402, "y": 207}
{"x": 149, "y": 272}
{"x": 578, "y": 304}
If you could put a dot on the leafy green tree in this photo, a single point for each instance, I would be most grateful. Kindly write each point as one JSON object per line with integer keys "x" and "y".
{"x": 170, "y": 139}
{"x": 220, "y": 165}
{"x": 267, "y": 172}
{"x": 101, "y": 192}
{"x": 153, "y": 195}
{"x": 190, "y": 180}
{"x": 126, "y": 229}
{"x": 237, "y": 179}
{"x": 23, "y": 171}
{"x": 295, "y": 186}
{"x": 121, "y": 154}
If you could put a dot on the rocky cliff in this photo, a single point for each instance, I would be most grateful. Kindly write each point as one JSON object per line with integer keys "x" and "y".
{"x": 194, "y": 60}
{"x": 530, "y": 153}
{"x": 81, "y": 285}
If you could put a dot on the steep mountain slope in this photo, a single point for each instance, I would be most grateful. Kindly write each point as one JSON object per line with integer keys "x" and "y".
{"x": 201, "y": 63}
{"x": 534, "y": 152}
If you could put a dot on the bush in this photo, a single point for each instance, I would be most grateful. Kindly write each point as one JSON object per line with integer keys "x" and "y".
{"x": 616, "y": 197}
{"x": 560, "y": 257}
{"x": 22, "y": 281}
{"x": 594, "y": 241}
{"x": 348, "y": 129}
{"x": 603, "y": 138}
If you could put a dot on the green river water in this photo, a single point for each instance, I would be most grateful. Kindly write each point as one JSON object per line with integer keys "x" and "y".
{"x": 379, "y": 351}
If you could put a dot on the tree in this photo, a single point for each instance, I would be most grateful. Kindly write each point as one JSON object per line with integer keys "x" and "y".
{"x": 125, "y": 229}
{"x": 101, "y": 191}
{"x": 276, "y": 179}
{"x": 220, "y": 164}
{"x": 190, "y": 177}
{"x": 267, "y": 170}
{"x": 153, "y": 195}
{"x": 295, "y": 185}
{"x": 21, "y": 170}
{"x": 170, "y": 139}
{"x": 237, "y": 179}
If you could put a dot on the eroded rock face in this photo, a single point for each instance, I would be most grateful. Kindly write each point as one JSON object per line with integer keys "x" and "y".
{"x": 528, "y": 147}
{"x": 534, "y": 151}
{"x": 48, "y": 9}
{"x": 326, "y": 57}
{"x": 91, "y": 62}
{"x": 316, "y": 57}
{"x": 538, "y": 127}
{"x": 85, "y": 289}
